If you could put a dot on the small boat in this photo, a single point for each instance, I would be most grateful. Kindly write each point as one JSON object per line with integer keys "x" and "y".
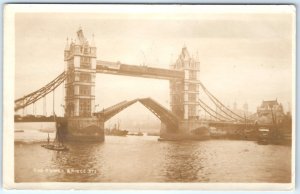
{"x": 19, "y": 131}
{"x": 263, "y": 136}
{"x": 139, "y": 134}
{"x": 55, "y": 147}
{"x": 116, "y": 131}
{"x": 57, "y": 144}
{"x": 153, "y": 134}
{"x": 136, "y": 134}
{"x": 47, "y": 130}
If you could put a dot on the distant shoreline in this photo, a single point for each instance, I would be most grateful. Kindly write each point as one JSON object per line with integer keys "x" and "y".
{"x": 34, "y": 119}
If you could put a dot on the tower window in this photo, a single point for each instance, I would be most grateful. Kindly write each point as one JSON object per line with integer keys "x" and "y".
{"x": 192, "y": 110}
{"x": 85, "y": 77}
{"x": 193, "y": 74}
{"x": 85, "y": 90}
{"x": 192, "y": 97}
{"x": 192, "y": 87}
{"x": 84, "y": 107}
{"x": 85, "y": 62}
{"x": 70, "y": 91}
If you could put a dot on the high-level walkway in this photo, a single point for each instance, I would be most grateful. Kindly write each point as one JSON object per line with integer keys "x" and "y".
{"x": 137, "y": 71}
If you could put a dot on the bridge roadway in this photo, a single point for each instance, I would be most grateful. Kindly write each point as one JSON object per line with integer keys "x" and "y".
{"x": 239, "y": 124}
{"x": 137, "y": 71}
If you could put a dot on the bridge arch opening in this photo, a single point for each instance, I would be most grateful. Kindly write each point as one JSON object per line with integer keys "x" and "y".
{"x": 114, "y": 88}
{"x": 134, "y": 118}
{"x": 169, "y": 120}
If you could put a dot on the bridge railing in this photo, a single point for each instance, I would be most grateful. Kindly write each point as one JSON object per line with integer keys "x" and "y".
{"x": 109, "y": 112}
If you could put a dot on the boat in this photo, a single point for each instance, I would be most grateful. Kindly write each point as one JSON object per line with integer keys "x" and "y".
{"x": 19, "y": 130}
{"x": 57, "y": 143}
{"x": 153, "y": 134}
{"x": 116, "y": 131}
{"x": 137, "y": 134}
{"x": 263, "y": 136}
{"x": 47, "y": 130}
{"x": 55, "y": 147}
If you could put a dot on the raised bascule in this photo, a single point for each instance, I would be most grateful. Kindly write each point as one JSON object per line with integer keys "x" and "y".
{"x": 84, "y": 124}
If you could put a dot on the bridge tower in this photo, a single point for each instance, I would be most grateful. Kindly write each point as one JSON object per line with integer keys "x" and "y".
{"x": 184, "y": 93}
{"x": 80, "y": 65}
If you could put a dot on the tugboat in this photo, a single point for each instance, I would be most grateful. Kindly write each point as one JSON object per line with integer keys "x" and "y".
{"x": 263, "y": 136}
{"x": 58, "y": 143}
{"x": 137, "y": 134}
{"x": 116, "y": 131}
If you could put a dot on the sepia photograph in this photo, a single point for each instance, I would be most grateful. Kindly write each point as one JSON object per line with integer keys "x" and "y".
{"x": 149, "y": 96}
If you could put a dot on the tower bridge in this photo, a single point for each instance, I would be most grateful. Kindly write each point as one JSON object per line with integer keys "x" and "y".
{"x": 81, "y": 66}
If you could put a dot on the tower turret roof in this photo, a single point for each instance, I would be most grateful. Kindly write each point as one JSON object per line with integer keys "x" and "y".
{"x": 185, "y": 54}
{"x": 80, "y": 37}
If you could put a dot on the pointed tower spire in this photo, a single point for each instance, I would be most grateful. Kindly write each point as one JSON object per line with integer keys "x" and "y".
{"x": 80, "y": 39}
{"x": 184, "y": 53}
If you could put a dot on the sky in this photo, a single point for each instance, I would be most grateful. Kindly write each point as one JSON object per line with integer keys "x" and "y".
{"x": 244, "y": 56}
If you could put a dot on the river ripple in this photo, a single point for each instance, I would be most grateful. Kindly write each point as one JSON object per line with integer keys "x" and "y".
{"x": 144, "y": 159}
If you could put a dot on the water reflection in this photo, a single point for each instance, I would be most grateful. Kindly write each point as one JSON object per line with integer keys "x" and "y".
{"x": 144, "y": 159}
{"x": 183, "y": 162}
{"x": 82, "y": 163}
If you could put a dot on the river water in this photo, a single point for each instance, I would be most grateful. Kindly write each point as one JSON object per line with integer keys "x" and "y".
{"x": 145, "y": 159}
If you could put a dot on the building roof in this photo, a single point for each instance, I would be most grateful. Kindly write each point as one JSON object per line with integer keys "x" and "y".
{"x": 269, "y": 103}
